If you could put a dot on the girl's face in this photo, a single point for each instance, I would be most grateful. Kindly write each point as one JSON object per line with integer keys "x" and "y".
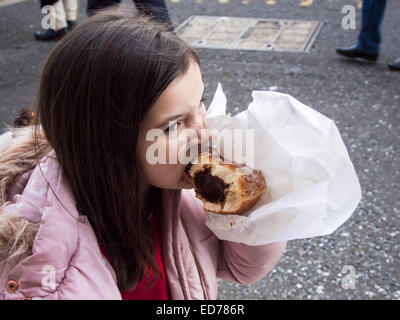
{"x": 178, "y": 111}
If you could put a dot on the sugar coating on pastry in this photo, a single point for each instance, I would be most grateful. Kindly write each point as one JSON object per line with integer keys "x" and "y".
{"x": 226, "y": 188}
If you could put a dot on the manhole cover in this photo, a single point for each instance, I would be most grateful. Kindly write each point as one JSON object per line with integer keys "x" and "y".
{"x": 249, "y": 33}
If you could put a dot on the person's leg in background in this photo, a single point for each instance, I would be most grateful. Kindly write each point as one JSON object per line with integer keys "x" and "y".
{"x": 155, "y": 8}
{"x": 370, "y": 34}
{"x": 369, "y": 38}
{"x": 60, "y": 26}
{"x": 71, "y": 12}
{"x": 93, "y": 5}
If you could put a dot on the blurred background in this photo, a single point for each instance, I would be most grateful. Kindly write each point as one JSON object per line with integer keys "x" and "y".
{"x": 361, "y": 259}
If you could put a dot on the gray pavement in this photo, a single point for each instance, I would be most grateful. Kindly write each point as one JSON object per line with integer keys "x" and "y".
{"x": 362, "y": 99}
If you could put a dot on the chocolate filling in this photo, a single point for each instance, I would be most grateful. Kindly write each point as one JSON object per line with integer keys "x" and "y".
{"x": 212, "y": 188}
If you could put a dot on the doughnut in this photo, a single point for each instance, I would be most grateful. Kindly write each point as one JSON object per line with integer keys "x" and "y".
{"x": 225, "y": 188}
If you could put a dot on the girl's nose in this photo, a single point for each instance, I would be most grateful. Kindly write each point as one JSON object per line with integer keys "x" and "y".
{"x": 200, "y": 136}
{"x": 199, "y": 126}
{"x": 200, "y": 122}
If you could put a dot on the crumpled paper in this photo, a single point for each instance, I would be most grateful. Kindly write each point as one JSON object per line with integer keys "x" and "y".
{"x": 312, "y": 185}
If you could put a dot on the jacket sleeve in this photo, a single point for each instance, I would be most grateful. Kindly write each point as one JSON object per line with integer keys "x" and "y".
{"x": 235, "y": 261}
{"x": 247, "y": 264}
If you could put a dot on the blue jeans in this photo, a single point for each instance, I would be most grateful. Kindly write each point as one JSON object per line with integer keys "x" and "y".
{"x": 369, "y": 37}
{"x": 156, "y": 8}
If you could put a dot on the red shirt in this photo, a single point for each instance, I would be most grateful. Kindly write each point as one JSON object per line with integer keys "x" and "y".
{"x": 159, "y": 291}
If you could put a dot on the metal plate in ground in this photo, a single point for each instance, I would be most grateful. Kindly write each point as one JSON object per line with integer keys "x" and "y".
{"x": 249, "y": 33}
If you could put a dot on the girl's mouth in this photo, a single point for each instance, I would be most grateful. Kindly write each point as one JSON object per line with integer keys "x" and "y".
{"x": 187, "y": 176}
{"x": 187, "y": 168}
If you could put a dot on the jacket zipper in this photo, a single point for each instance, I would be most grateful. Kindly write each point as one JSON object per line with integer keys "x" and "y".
{"x": 196, "y": 262}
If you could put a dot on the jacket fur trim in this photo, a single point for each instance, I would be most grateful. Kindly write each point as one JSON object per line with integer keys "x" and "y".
{"x": 17, "y": 233}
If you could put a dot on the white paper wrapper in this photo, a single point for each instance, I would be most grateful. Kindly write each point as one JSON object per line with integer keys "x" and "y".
{"x": 312, "y": 185}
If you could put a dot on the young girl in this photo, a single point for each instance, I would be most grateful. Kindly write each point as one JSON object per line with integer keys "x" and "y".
{"x": 93, "y": 219}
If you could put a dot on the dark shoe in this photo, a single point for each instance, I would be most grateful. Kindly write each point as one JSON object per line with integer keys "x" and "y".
{"x": 50, "y": 34}
{"x": 395, "y": 66}
{"x": 353, "y": 52}
{"x": 71, "y": 25}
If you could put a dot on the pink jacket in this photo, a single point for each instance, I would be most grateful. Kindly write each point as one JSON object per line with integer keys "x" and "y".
{"x": 64, "y": 261}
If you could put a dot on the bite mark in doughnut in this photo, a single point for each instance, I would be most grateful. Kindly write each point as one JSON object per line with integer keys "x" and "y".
{"x": 225, "y": 188}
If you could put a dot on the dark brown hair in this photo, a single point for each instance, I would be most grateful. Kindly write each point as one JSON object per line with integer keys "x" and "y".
{"x": 97, "y": 85}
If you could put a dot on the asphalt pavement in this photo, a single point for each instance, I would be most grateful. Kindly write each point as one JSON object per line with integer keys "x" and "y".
{"x": 362, "y": 98}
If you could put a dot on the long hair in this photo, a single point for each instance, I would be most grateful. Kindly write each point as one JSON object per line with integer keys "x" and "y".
{"x": 97, "y": 85}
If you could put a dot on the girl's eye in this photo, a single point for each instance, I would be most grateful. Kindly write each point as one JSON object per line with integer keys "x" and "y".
{"x": 172, "y": 127}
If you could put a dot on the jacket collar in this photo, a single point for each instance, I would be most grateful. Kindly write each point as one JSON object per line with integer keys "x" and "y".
{"x": 46, "y": 185}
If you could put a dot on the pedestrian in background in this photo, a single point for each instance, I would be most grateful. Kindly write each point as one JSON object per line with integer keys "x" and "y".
{"x": 66, "y": 14}
{"x": 154, "y": 8}
{"x": 369, "y": 38}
